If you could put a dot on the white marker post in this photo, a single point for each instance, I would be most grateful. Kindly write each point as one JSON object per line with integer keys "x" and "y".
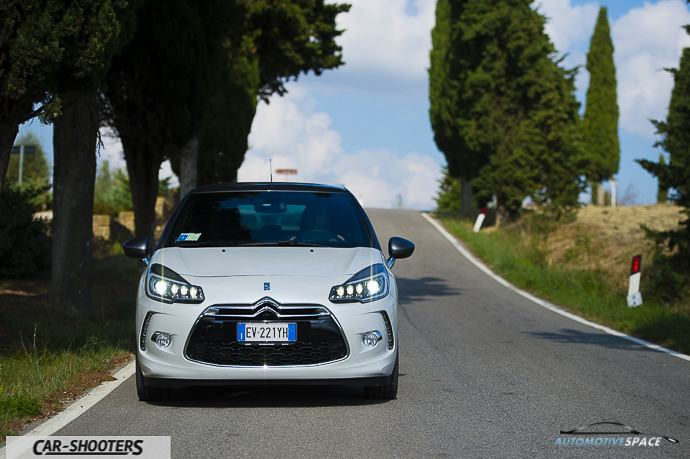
{"x": 634, "y": 295}
{"x": 480, "y": 220}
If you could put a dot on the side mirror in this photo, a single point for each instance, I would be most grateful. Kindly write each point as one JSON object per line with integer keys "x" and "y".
{"x": 398, "y": 248}
{"x": 138, "y": 247}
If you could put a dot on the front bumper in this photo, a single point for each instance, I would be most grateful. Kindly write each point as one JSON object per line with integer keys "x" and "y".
{"x": 178, "y": 366}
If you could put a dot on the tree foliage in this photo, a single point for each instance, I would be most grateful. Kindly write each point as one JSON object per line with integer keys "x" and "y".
{"x": 48, "y": 47}
{"x": 452, "y": 58}
{"x": 111, "y": 192}
{"x": 275, "y": 42}
{"x": 503, "y": 111}
{"x": 196, "y": 68}
{"x": 449, "y": 194}
{"x": 600, "y": 123}
{"x": 674, "y": 264}
{"x": 158, "y": 88}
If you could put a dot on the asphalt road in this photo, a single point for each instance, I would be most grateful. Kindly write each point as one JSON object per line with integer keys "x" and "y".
{"x": 484, "y": 373}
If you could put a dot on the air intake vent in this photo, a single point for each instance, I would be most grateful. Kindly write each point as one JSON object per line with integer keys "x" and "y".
{"x": 389, "y": 329}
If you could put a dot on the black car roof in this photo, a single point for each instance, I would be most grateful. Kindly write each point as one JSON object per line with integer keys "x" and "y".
{"x": 268, "y": 186}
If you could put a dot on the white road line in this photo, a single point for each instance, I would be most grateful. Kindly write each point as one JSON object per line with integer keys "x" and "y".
{"x": 545, "y": 304}
{"x": 80, "y": 406}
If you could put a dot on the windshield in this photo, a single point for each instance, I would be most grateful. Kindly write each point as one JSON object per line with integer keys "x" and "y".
{"x": 269, "y": 218}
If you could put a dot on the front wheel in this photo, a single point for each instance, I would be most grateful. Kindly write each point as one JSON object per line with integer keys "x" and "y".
{"x": 387, "y": 392}
{"x": 147, "y": 393}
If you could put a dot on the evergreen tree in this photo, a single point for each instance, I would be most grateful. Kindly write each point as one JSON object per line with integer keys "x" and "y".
{"x": 452, "y": 57}
{"x": 449, "y": 194}
{"x": 184, "y": 76}
{"x": 522, "y": 112}
{"x": 600, "y": 123}
{"x": 275, "y": 42}
{"x": 674, "y": 273}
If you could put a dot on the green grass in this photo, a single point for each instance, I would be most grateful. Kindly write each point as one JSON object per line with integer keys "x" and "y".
{"x": 48, "y": 351}
{"x": 520, "y": 258}
{"x": 33, "y": 381}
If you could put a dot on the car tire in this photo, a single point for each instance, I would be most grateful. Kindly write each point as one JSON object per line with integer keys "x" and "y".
{"x": 386, "y": 392}
{"x": 148, "y": 393}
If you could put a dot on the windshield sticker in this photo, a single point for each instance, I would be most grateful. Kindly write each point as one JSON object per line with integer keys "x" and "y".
{"x": 189, "y": 237}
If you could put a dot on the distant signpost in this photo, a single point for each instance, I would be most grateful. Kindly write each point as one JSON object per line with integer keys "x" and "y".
{"x": 286, "y": 171}
{"x": 22, "y": 150}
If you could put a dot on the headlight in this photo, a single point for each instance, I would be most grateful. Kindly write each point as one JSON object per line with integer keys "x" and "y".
{"x": 163, "y": 284}
{"x": 370, "y": 284}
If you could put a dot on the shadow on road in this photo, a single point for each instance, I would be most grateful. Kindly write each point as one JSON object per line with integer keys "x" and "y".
{"x": 569, "y": 336}
{"x": 425, "y": 287}
{"x": 268, "y": 397}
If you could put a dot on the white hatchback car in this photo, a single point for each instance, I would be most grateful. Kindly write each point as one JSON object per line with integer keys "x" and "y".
{"x": 267, "y": 283}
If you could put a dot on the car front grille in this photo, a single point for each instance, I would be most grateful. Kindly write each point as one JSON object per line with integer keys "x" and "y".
{"x": 214, "y": 337}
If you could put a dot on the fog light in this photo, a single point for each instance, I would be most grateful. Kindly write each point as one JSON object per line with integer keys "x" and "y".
{"x": 162, "y": 340}
{"x": 371, "y": 339}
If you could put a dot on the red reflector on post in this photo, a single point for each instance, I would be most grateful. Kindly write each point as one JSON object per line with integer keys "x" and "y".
{"x": 484, "y": 210}
{"x": 636, "y": 264}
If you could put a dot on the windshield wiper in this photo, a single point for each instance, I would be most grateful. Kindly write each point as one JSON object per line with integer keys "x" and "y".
{"x": 198, "y": 244}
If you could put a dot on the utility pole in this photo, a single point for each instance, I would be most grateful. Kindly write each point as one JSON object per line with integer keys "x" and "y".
{"x": 22, "y": 150}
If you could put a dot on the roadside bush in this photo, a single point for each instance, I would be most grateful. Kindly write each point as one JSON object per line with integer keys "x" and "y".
{"x": 111, "y": 191}
{"x": 24, "y": 244}
{"x": 449, "y": 199}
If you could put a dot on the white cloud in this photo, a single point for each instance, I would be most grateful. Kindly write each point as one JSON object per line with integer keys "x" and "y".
{"x": 570, "y": 29}
{"x": 569, "y": 26}
{"x": 647, "y": 40}
{"x": 383, "y": 37}
{"x": 292, "y": 135}
{"x": 386, "y": 47}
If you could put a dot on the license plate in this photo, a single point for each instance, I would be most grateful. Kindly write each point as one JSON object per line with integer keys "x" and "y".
{"x": 259, "y": 332}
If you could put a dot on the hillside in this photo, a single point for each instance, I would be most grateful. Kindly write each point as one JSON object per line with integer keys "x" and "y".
{"x": 606, "y": 239}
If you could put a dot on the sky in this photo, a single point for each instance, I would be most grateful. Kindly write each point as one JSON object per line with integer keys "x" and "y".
{"x": 366, "y": 125}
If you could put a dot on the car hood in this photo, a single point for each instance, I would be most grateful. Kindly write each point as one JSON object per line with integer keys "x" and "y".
{"x": 267, "y": 261}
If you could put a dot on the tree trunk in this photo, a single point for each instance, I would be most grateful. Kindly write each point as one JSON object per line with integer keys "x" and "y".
{"x": 502, "y": 216}
{"x": 143, "y": 172}
{"x": 466, "y": 207}
{"x": 600, "y": 194}
{"x": 188, "y": 166}
{"x": 74, "y": 145}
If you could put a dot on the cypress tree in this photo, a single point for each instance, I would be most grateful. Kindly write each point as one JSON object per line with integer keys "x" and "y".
{"x": 673, "y": 277}
{"x": 600, "y": 124}
{"x": 450, "y": 107}
{"x": 525, "y": 118}
{"x": 503, "y": 112}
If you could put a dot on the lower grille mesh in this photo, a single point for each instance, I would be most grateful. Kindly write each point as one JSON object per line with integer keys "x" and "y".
{"x": 233, "y": 353}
